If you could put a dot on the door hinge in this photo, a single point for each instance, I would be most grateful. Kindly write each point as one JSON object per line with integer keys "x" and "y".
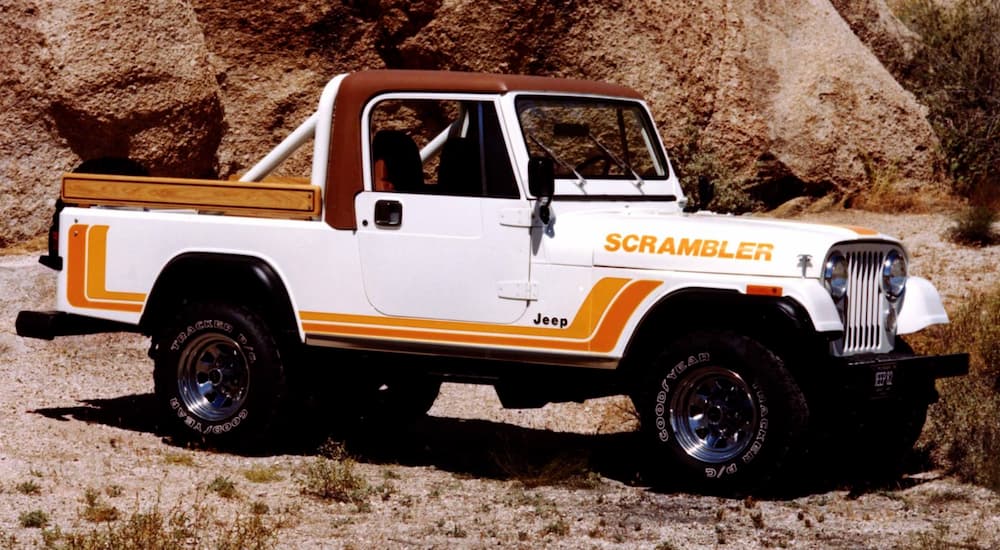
{"x": 518, "y": 290}
{"x": 516, "y": 217}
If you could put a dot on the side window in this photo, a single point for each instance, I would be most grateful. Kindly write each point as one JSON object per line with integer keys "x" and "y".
{"x": 500, "y": 182}
{"x": 442, "y": 147}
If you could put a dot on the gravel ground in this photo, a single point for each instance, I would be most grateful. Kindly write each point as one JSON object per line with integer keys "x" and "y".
{"x": 78, "y": 436}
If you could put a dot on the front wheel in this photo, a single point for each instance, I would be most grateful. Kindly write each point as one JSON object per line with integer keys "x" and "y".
{"x": 720, "y": 408}
{"x": 218, "y": 375}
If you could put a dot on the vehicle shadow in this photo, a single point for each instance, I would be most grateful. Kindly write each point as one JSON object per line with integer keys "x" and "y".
{"x": 485, "y": 449}
{"x": 476, "y": 448}
{"x": 137, "y": 413}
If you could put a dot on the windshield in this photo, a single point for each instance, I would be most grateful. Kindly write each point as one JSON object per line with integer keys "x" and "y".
{"x": 592, "y": 139}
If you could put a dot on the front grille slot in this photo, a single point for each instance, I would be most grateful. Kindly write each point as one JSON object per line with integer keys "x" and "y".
{"x": 862, "y": 320}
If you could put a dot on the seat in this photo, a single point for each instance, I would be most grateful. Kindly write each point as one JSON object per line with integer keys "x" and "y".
{"x": 397, "y": 162}
{"x": 459, "y": 170}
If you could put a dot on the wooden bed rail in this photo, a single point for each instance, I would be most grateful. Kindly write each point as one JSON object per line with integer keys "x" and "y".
{"x": 258, "y": 199}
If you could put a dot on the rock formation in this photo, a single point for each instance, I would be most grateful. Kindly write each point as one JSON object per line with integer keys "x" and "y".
{"x": 787, "y": 96}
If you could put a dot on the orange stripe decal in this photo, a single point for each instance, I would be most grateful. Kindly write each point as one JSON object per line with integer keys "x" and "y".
{"x": 614, "y": 322}
{"x": 860, "y": 230}
{"x": 87, "y": 267}
{"x": 97, "y": 246}
{"x": 593, "y": 306}
{"x": 597, "y": 326}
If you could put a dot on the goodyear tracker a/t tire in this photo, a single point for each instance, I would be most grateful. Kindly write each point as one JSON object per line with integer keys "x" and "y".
{"x": 219, "y": 375}
{"x": 722, "y": 409}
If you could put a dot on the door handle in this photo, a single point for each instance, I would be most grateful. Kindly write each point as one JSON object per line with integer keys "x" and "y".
{"x": 388, "y": 213}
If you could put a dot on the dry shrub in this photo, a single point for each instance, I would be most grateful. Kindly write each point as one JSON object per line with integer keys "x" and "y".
{"x": 974, "y": 227}
{"x": 194, "y": 526}
{"x": 35, "y": 519}
{"x": 332, "y": 476}
{"x": 963, "y": 428}
{"x": 882, "y": 194}
{"x": 521, "y": 459}
{"x": 955, "y": 71}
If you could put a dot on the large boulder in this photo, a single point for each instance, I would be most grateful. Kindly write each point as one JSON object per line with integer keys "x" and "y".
{"x": 90, "y": 79}
{"x": 132, "y": 78}
{"x": 31, "y": 155}
{"x": 273, "y": 58}
{"x": 785, "y": 98}
{"x": 875, "y": 24}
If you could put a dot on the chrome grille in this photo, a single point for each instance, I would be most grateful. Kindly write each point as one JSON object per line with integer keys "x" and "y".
{"x": 863, "y": 331}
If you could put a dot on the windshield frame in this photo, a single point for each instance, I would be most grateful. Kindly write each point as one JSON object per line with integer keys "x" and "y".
{"x": 657, "y": 181}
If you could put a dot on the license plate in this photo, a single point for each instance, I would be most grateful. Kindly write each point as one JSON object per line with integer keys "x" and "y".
{"x": 884, "y": 378}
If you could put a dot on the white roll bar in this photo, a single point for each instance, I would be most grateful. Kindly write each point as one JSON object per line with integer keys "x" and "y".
{"x": 289, "y": 145}
{"x": 317, "y": 127}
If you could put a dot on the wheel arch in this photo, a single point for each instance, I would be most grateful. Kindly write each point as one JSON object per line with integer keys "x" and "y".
{"x": 242, "y": 279}
{"x": 779, "y": 323}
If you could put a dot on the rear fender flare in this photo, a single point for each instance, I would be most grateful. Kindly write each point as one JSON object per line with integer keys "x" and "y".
{"x": 246, "y": 280}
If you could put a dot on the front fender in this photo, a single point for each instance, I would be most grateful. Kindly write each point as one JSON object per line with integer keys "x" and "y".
{"x": 817, "y": 303}
{"x": 921, "y": 307}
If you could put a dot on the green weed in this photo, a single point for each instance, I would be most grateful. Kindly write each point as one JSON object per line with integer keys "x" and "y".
{"x": 223, "y": 486}
{"x": 262, "y": 474}
{"x": 29, "y": 488}
{"x": 35, "y": 519}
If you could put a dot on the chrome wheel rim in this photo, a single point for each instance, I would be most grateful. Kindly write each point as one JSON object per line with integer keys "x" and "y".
{"x": 713, "y": 415}
{"x": 213, "y": 377}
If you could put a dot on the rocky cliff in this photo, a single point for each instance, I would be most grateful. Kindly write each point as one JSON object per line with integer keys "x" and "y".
{"x": 791, "y": 96}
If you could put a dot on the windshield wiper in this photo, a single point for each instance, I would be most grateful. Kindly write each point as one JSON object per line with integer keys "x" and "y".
{"x": 580, "y": 180}
{"x": 621, "y": 164}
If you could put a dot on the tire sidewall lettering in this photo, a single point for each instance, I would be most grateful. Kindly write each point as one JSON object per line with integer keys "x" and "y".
{"x": 662, "y": 426}
{"x": 205, "y": 325}
{"x": 685, "y": 364}
{"x": 187, "y": 418}
{"x": 196, "y": 424}
{"x": 660, "y": 410}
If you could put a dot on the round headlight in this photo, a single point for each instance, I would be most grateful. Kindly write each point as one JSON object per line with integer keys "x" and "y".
{"x": 835, "y": 275}
{"x": 894, "y": 275}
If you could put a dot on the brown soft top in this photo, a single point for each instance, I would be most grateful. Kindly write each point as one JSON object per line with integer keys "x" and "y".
{"x": 344, "y": 177}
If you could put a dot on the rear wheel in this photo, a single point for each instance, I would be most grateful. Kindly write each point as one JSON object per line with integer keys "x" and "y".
{"x": 219, "y": 375}
{"x": 722, "y": 409}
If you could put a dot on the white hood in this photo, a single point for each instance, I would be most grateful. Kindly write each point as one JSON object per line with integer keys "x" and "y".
{"x": 703, "y": 242}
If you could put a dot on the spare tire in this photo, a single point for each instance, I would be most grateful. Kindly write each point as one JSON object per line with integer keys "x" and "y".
{"x": 112, "y": 166}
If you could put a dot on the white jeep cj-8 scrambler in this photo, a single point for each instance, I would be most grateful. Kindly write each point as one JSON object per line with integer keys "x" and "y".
{"x": 524, "y": 232}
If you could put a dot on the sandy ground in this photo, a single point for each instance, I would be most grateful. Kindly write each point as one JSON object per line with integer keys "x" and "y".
{"x": 77, "y": 420}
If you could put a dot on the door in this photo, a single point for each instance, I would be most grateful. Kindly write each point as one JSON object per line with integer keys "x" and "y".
{"x": 443, "y": 231}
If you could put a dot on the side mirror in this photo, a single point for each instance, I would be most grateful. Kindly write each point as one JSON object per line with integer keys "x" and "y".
{"x": 542, "y": 184}
{"x": 541, "y": 177}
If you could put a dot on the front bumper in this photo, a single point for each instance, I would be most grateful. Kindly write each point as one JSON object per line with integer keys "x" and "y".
{"x": 896, "y": 375}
